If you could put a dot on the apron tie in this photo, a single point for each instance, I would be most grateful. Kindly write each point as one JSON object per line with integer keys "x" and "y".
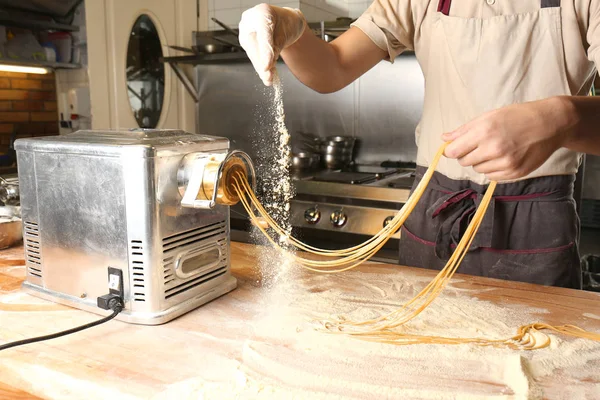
{"x": 456, "y": 210}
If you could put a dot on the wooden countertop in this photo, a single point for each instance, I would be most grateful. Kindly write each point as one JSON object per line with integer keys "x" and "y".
{"x": 260, "y": 341}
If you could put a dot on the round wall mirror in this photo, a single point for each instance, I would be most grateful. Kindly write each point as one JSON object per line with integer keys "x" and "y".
{"x": 145, "y": 73}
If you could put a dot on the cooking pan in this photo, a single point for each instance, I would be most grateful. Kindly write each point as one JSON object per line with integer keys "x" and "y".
{"x": 226, "y": 27}
{"x": 305, "y": 161}
{"x": 11, "y": 227}
{"x": 211, "y": 42}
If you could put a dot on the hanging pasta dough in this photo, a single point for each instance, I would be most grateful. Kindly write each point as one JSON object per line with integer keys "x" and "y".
{"x": 385, "y": 328}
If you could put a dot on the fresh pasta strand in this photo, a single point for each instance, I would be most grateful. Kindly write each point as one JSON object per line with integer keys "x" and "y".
{"x": 384, "y": 329}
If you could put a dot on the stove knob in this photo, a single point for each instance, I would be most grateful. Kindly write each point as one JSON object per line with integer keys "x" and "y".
{"x": 338, "y": 218}
{"x": 387, "y": 221}
{"x": 312, "y": 215}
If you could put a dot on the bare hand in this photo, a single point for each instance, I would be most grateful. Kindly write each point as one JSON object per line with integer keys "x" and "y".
{"x": 511, "y": 142}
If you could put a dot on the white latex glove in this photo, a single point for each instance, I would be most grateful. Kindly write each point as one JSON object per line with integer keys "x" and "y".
{"x": 265, "y": 31}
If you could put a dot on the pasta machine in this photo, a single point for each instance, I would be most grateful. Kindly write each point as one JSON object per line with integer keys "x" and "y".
{"x": 142, "y": 213}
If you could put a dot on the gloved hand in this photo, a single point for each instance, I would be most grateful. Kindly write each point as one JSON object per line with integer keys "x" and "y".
{"x": 265, "y": 31}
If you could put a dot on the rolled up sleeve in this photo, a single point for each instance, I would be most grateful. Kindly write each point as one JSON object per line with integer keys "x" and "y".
{"x": 390, "y": 25}
{"x": 593, "y": 33}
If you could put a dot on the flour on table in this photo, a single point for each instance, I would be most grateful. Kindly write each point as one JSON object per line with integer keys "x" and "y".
{"x": 419, "y": 371}
{"x": 592, "y": 316}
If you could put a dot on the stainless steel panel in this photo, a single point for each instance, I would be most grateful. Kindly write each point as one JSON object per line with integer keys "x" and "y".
{"x": 29, "y": 209}
{"x": 359, "y": 192}
{"x": 142, "y": 230}
{"x": 382, "y": 108}
{"x": 390, "y": 105}
{"x": 82, "y": 222}
{"x": 234, "y": 103}
{"x": 359, "y": 220}
{"x": 133, "y": 143}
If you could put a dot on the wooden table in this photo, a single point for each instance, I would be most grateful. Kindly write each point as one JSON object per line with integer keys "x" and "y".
{"x": 264, "y": 340}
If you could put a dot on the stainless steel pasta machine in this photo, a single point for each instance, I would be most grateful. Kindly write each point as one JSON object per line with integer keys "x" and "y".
{"x": 144, "y": 213}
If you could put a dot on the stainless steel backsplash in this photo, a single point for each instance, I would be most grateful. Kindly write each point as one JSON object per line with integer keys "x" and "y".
{"x": 381, "y": 109}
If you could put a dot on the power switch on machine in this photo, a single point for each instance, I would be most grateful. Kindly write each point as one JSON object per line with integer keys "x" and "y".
{"x": 115, "y": 290}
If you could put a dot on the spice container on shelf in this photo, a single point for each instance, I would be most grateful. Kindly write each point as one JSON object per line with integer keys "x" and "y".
{"x": 63, "y": 43}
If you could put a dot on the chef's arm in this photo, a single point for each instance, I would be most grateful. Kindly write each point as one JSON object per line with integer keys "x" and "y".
{"x": 329, "y": 67}
{"x": 267, "y": 31}
{"x": 582, "y": 117}
{"x": 511, "y": 142}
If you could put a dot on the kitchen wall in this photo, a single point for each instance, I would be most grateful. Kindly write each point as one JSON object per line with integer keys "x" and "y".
{"x": 230, "y": 11}
{"x": 67, "y": 79}
{"x": 357, "y": 7}
{"x": 381, "y": 108}
{"x": 27, "y": 106}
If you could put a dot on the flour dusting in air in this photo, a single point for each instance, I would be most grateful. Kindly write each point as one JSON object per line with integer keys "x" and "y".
{"x": 275, "y": 188}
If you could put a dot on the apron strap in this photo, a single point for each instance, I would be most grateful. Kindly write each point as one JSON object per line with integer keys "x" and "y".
{"x": 444, "y": 6}
{"x": 455, "y": 210}
{"x": 550, "y": 3}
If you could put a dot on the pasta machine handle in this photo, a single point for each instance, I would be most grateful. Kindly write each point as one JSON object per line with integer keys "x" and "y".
{"x": 194, "y": 185}
{"x": 196, "y": 177}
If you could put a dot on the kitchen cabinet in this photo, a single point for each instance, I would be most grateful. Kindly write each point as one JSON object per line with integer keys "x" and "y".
{"x": 149, "y": 95}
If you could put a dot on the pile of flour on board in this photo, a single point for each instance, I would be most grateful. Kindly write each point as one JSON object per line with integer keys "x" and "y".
{"x": 286, "y": 358}
{"x": 275, "y": 187}
{"x": 376, "y": 370}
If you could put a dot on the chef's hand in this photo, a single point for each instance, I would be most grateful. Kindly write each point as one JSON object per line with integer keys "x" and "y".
{"x": 265, "y": 31}
{"x": 511, "y": 142}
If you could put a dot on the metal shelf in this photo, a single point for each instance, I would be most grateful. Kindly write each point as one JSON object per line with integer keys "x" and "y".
{"x": 42, "y": 64}
{"x": 217, "y": 58}
{"x": 201, "y": 59}
{"x": 37, "y": 25}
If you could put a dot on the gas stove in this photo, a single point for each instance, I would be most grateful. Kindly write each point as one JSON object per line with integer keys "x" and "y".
{"x": 359, "y": 200}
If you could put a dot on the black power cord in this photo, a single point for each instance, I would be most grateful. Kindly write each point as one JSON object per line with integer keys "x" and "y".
{"x": 114, "y": 303}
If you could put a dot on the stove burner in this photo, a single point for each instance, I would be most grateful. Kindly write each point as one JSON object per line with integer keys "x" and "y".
{"x": 354, "y": 178}
{"x": 404, "y": 182}
{"x": 379, "y": 172}
{"x": 399, "y": 164}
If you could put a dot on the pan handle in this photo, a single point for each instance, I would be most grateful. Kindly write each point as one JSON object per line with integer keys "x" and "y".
{"x": 226, "y": 27}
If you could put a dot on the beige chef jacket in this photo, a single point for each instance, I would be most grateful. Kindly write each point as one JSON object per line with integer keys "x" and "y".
{"x": 486, "y": 54}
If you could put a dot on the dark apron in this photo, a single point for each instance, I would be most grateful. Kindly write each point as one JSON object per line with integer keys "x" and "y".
{"x": 530, "y": 232}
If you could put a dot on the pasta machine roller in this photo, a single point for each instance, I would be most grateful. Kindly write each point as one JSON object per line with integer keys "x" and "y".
{"x": 144, "y": 213}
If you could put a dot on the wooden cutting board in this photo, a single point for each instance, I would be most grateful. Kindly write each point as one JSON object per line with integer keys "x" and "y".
{"x": 265, "y": 340}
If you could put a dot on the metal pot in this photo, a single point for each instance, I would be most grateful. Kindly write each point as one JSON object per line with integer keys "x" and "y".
{"x": 9, "y": 190}
{"x": 328, "y": 37}
{"x": 11, "y": 233}
{"x": 340, "y": 141}
{"x": 332, "y": 161}
{"x": 11, "y": 228}
{"x": 214, "y": 42}
{"x": 338, "y": 151}
{"x": 304, "y": 160}
{"x": 212, "y": 48}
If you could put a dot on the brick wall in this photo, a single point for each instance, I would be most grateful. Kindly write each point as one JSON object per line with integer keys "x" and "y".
{"x": 27, "y": 106}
